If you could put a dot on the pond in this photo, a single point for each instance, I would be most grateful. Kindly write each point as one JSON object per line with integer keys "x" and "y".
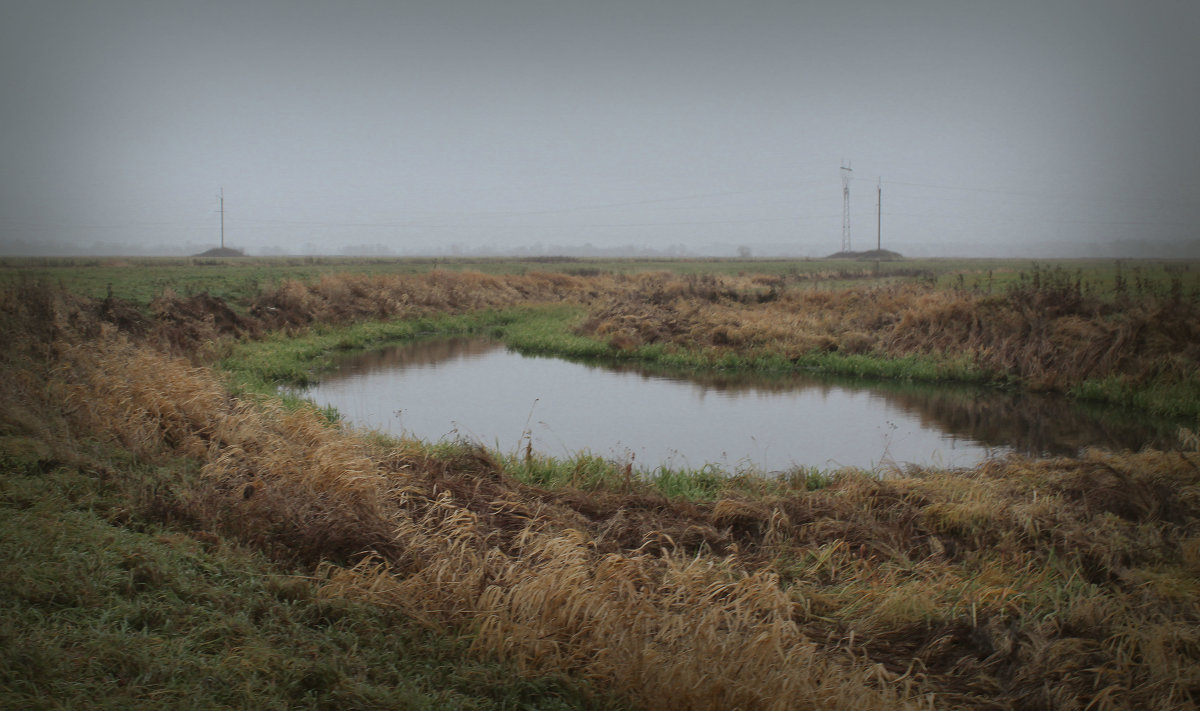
{"x": 478, "y": 390}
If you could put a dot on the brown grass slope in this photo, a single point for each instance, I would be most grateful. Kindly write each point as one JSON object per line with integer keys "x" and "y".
{"x": 355, "y": 297}
{"x": 1050, "y": 336}
{"x": 1021, "y": 584}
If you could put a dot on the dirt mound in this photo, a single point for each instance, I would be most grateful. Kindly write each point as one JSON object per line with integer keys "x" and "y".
{"x": 124, "y": 315}
{"x": 880, "y": 254}
{"x": 222, "y": 252}
{"x": 187, "y": 322}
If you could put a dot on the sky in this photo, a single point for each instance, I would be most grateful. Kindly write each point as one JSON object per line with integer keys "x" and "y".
{"x": 1017, "y": 128}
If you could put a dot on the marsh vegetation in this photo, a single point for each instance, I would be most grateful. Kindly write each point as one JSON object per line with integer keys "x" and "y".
{"x": 142, "y": 436}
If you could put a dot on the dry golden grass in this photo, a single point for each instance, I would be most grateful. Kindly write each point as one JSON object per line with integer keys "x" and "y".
{"x": 1021, "y": 584}
{"x": 356, "y": 297}
{"x": 1048, "y": 338}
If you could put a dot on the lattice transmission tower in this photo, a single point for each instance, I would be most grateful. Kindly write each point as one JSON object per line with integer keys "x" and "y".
{"x": 846, "y": 171}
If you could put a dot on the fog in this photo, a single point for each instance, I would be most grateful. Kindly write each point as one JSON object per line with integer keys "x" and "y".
{"x": 528, "y": 127}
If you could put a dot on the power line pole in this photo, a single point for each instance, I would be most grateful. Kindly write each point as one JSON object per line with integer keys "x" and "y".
{"x": 846, "y": 171}
{"x": 222, "y": 218}
{"x": 879, "y": 215}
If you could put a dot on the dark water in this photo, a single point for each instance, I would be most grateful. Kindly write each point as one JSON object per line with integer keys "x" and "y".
{"x": 479, "y": 390}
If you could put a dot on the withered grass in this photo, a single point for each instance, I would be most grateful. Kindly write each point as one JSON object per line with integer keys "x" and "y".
{"x": 1022, "y": 583}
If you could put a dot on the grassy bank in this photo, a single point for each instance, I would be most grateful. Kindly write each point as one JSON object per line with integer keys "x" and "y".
{"x": 1138, "y": 353}
{"x": 283, "y": 359}
{"x": 1046, "y": 335}
{"x": 564, "y": 332}
{"x": 110, "y": 601}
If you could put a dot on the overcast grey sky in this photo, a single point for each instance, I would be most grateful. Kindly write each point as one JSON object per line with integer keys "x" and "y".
{"x": 420, "y": 126}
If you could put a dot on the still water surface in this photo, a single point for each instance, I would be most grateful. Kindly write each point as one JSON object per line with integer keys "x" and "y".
{"x": 481, "y": 391}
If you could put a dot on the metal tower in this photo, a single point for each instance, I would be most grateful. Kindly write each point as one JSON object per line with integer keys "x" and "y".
{"x": 846, "y": 171}
{"x": 222, "y": 218}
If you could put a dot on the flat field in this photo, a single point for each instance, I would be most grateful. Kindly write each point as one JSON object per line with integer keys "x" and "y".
{"x": 175, "y": 534}
{"x": 139, "y": 279}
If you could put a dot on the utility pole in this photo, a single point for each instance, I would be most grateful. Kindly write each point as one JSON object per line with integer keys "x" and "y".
{"x": 846, "y": 171}
{"x": 222, "y": 218}
{"x": 879, "y": 215}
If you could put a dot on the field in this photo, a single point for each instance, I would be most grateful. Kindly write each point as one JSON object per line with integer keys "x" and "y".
{"x": 175, "y": 534}
{"x": 139, "y": 279}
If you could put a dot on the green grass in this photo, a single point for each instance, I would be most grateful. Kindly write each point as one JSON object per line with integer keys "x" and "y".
{"x": 103, "y": 606}
{"x": 588, "y": 472}
{"x": 551, "y": 330}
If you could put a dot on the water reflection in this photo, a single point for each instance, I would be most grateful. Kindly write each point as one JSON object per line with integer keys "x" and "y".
{"x": 1030, "y": 423}
{"x": 477, "y": 389}
{"x": 421, "y": 352}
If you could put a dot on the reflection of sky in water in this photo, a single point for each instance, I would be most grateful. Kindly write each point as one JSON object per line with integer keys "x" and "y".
{"x": 496, "y": 397}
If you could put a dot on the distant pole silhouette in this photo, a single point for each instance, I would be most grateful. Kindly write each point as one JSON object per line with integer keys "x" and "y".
{"x": 222, "y": 218}
{"x": 846, "y": 171}
{"x": 879, "y": 215}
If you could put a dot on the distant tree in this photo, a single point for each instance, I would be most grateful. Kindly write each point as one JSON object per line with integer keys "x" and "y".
{"x": 744, "y": 252}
